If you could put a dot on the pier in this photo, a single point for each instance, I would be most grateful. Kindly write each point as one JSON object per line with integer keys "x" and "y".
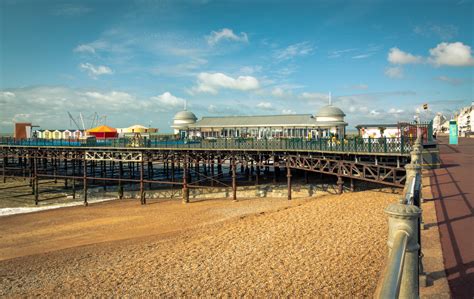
{"x": 197, "y": 164}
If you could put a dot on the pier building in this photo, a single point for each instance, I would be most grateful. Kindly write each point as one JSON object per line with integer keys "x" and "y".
{"x": 328, "y": 122}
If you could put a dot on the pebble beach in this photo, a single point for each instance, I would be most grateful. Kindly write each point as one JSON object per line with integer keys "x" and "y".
{"x": 334, "y": 246}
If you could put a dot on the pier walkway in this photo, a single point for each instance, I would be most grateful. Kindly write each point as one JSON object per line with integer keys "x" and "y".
{"x": 453, "y": 192}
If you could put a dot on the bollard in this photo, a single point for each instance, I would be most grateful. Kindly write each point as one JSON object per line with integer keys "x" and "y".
{"x": 403, "y": 220}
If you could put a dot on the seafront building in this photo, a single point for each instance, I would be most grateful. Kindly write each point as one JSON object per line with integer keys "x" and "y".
{"x": 466, "y": 120}
{"x": 329, "y": 121}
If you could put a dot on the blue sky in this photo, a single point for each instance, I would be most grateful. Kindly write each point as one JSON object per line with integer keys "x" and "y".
{"x": 138, "y": 61}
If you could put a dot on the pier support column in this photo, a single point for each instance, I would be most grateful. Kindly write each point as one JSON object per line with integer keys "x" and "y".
{"x": 185, "y": 181}
{"x": 4, "y": 169}
{"x": 212, "y": 172}
{"x": 85, "y": 181}
{"x": 288, "y": 176}
{"x": 142, "y": 187}
{"x": 120, "y": 184}
{"x": 257, "y": 172}
{"x": 54, "y": 162}
{"x": 149, "y": 170}
{"x": 65, "y": 172}
{"x": 219, "y": 167}
{"x": 36, "y": 181}
{"x": 73, "y": 162}
{"x": 248, "y": 173}
{"x": 234, "y": 180}
{"x": 352, "y": 188}
{"x": 340, "y": 185}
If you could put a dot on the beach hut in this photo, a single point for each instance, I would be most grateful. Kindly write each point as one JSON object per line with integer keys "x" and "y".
{"x": 67, "y": 134}
{"x": 57, "y": 134}
{"x": 47, "y": 134}
{"x": 77, "y": 134}
{"x": 103, "y": 132}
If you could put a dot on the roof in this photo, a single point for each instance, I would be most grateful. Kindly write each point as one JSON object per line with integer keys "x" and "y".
{"x": 377, "y": 125}
{"x": 137, "y": 127}
{"x": 102, "y": 129}
{"x": 329, "y": 111}
{"x": 185, "y": 115}
{"x": 256, "y": 121}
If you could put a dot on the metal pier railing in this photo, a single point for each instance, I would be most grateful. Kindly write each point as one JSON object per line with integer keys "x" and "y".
{"x": 401, "y": 276}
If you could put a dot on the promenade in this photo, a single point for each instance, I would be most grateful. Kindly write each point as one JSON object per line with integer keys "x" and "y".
{"x": 453, "y": 192}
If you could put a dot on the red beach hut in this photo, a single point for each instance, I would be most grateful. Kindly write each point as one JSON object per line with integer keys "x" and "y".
{"x": 103, "y": 132}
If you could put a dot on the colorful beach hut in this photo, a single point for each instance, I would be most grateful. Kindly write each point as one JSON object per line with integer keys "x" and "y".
{"x": 103, "y": 132}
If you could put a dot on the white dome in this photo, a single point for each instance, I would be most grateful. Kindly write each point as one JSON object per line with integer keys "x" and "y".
{"x": 330, "y": 111}
{"x": 185, "y": 115}
{"x": 182, "y": 120}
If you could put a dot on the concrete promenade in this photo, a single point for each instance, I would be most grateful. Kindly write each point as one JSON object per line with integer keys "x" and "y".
{"x": 453, "y": 192}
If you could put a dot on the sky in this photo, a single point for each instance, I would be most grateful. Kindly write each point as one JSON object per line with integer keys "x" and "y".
{"x": 138, "y": 62}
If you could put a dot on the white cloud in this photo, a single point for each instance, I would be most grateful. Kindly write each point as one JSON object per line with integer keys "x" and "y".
{"x": 212, "y": 108}
{"x": 362, "y": 56}
{"x": 395, "y": 111}
{"x": 394, "y": 72}
{"x": 397, "y": 56}
{"x": 444, "y": 32}
{"x": 452, "y": 81}
{"x": 226, "y": 34}
{"x": 83, "y": 48}
{"x": 7, "y": 94}
{"x": 374, "y": 112}
{"x": 265, "y": 105}
{"x": 212, "y": 82}
{"x": 299, "y": 49}
{"x": 37, "y": 104}
{"x": 338, "y": 53}
{"x": 279, "y": 92}
{"x": 314, "y": 96}
{"x": 250, "y": 70}
{"x": 451, "y": 54}
{"x": 287, "y": 111}
{"x": 169, "y": 101}
{"x": 95, "y": 71}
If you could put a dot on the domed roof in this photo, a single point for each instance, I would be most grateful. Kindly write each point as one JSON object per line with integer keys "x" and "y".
{"x": 185, "y": 115}
{"x": 330, "y": 111}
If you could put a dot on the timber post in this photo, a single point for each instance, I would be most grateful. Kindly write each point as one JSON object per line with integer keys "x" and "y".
{"x": 234, "y": 180}
{"x": 288, "y": 176}
{"x": 4, "y": 168}
{"x": 85, "y": 181}
{"x": 120, "y": 184}
{"x": 36, "y": 181}
{"x": 185, "y": 180}
{"x": 73, "y": 161}
{"x": 340, "y": 185}
{"x": 142, "y": 187}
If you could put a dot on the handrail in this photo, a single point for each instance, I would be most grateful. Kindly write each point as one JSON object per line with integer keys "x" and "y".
{"x": 393, "y": 270}
{"x": 401, "y": 274}
{"x": 356, "y": 144}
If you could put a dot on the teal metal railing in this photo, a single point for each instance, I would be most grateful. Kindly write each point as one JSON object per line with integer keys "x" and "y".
{"x": 401, "y": 145}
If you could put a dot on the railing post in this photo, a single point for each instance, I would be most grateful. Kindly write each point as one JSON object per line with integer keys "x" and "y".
{"x": 400, "y": 279}
{"x": 402, "y": 145}
{"x": 370, "y": 145}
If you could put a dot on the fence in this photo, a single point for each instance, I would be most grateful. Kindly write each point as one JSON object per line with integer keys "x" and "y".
{"x": 403, "y": 270}
{"x": 401, "y": 145}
